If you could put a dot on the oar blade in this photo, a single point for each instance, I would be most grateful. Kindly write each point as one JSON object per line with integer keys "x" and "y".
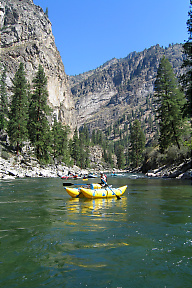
{"x": 67, "y": 184}
{"x": 75, "y": 184}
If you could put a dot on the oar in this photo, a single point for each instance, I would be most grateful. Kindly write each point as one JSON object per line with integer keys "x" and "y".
{"x": 118, "y": 197}
{"x": 70, "y": 184}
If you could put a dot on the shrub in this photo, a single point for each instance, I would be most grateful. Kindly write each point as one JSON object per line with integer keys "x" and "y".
{"x": 5, "y": 155}
{"x": 177, "y": 155}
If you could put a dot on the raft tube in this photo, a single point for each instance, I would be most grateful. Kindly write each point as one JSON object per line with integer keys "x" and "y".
{"x": 103, "y": 193}
{"x": 76, "y": 192}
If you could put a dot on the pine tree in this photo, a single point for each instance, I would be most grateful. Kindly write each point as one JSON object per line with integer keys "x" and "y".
{"x": 105, "y": 156}
{"x": 99, "y": 137}
{"x": 120, "y": 157}
{"x": 87, "y": 161}
{"x": 38, "y": 125}
{"x": 3, "y": 101}
{"x": 84, "y": 140}
{"x": 17, "y": 126}
{"x": 64, "y": 145}
{"x": 81, "y": 161}
{"x": 137, "y": 144}
{"x": 75, "y": 149}
{"x": 59, "y": 141}
{"x": 85, "y": 133}
{"x": 46, "y": 12}
{"x": 186, "y": 79}
{"x": 170, "y": 102}
{"x": 93, "y": 137}
{"x": 110, "y": 159}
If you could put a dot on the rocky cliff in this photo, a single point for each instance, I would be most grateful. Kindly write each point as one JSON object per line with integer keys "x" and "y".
{"x": 102, "y": 95}
{"x": 26, "y": 36}
{"x": 97, "y": 97}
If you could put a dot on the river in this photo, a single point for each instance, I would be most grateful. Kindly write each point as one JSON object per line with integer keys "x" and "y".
{"x": 48, "y": 239}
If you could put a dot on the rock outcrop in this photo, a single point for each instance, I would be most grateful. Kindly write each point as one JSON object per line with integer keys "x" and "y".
{"x": 26, "y": 36}
{"x": 179, "y": 171}
{"x": 102, "y": 95}
{"x": 19, "y": 166}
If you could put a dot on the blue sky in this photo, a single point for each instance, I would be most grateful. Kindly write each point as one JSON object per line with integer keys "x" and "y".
{"x": 90, "y": 32}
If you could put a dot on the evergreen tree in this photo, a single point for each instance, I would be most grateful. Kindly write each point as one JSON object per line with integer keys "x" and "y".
{"x": 137, "y": 144}
{"x": 87, "y": 161}
{"x": 150, "y": 122}
{"x": 17, "y": 126}
{"x": 186, "y": 79}
{"x": 120, "y": 157}
{"x": 105, "y": 157}
{"x": 93, "y": 137}
{"x": 3, "y": 101}
{"x": 55, "y": 137}
{"x": 85, "y": 134}
{"x": 59, "y": 141}
{"x": 38, "y": 125}
{"x": 83, "y": 153}
{"x": 110, "y": 159}
{"x": 64, "y": 145}
{"x": 75, "y": 149}
{"x": 170, "y": 103}
{"x": 84, "y": 142}
{"x": 46, "y": 12}
{"x": 99, "y": 137}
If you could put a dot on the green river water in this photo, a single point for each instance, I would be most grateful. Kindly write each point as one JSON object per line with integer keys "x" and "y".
{"x": 48, "y": 239}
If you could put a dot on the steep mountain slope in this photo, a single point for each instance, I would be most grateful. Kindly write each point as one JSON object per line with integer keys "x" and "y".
{"x": 103, "y": 95}
{"x": 26, "y": 36}
{"x": 98, "y": 97}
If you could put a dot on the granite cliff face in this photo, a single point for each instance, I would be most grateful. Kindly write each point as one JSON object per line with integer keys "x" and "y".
{"x": 102, "y": 95}
{"x": 26, "y": 36}
{"x": 97, "y": 97}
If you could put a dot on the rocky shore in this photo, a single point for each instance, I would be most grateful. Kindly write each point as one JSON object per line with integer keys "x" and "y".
{"x": 21, "y": 167}
{"x": 26, "y": 165}
{"x": 179, "y": 171}
{"x": 29, "y": 167}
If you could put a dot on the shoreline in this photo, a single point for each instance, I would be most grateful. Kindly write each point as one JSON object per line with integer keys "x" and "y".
{"x": 30, "y": 168}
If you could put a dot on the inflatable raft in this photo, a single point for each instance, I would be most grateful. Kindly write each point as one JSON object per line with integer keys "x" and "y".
{"x": 76, "y": 192}
{"x": 106, "y": 192}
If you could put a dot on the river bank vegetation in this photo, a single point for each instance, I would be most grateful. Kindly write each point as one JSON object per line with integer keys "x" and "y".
{"x": 28, "y": 127}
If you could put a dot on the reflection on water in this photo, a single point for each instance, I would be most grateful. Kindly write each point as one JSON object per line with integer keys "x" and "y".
{"x": 49, "y": 239}
{"x": 95, "y": 206}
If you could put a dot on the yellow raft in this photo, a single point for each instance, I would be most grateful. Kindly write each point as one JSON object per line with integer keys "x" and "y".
{"x": 76, "y": 192}
{"x": 103, "y": 193}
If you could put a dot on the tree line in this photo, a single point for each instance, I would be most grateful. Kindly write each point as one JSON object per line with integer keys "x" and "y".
{"x": 26, "y": 119}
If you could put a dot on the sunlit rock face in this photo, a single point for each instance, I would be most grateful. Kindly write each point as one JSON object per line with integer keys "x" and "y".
{"x": 26, "y": 36}
{"x": 120, "y": 86}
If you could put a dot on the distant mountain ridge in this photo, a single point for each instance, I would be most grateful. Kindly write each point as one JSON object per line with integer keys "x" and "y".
{"x": 119, "y": 85}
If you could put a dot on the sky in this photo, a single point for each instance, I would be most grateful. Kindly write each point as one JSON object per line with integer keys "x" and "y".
{"x": 90, "y": 32}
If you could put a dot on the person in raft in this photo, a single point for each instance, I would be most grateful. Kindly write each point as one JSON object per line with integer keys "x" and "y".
{"x": 103, "y": 179}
